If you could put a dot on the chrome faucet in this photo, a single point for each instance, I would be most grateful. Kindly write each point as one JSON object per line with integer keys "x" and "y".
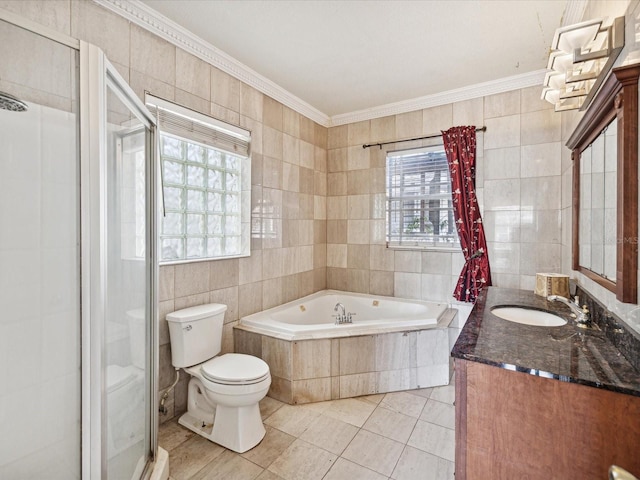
{"x": 583, "y": 317}
{"x": 343, "y": 317}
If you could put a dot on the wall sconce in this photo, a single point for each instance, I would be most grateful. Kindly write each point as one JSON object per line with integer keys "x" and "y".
{"x": 581, "y": 56}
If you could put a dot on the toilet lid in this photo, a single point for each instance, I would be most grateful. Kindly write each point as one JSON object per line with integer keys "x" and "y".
{"x": 235, "y": 368}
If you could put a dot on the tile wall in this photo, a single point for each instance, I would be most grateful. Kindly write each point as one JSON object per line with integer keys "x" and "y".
{"x": 318, "y": 196}
{"x": 288, "y": 173}
{"x": 518, "y": 179}
{"x": 629, "y": 313}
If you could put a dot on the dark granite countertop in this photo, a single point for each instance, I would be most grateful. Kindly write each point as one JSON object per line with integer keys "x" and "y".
{"x": 567, "y": 353}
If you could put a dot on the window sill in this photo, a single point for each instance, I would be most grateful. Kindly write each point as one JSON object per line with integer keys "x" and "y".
{"x": 164, "y": 263}
{"x": 427, "y": 248}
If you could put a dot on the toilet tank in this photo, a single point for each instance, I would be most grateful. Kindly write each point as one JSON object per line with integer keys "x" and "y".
{"x": 196, "y": 334}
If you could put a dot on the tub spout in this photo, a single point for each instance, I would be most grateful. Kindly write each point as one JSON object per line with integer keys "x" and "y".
{"x": 339, "y": 306}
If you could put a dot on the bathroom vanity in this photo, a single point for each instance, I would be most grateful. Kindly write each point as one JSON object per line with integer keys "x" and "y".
{"x": 535, "y": 402}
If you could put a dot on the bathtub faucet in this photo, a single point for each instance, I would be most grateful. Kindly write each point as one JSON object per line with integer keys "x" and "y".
{"x": 342, "y": 317}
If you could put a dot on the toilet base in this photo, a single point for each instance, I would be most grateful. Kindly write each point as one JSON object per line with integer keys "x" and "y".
{"x": 236, "y": 428}
{"x": 231, "y": 433}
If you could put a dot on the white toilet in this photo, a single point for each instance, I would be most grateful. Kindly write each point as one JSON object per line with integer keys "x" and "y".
{"x": 224, "y": 391}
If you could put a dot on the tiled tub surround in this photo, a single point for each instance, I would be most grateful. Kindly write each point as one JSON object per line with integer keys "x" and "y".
{"x": 318, "y": 369}
{"x": 566, "y": 353}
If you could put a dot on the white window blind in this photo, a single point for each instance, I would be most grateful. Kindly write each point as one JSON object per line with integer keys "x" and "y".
{"x": 419, "y": 205}
{"x": 206, "y": 180}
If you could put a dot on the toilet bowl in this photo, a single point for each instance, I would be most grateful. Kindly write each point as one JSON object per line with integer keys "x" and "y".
{"x": 126, "y": 389}
{"x": 125, "y": 395}
{"x": 224, "y": 391}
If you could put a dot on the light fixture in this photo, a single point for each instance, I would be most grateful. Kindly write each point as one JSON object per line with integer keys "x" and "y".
{"x": 581, "y": 56}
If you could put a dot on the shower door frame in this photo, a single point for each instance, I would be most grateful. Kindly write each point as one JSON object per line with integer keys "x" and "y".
{"x": 95, "y": 73}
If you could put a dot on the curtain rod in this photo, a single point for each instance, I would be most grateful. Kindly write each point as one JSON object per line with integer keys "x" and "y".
{"x": 435, "y": 135}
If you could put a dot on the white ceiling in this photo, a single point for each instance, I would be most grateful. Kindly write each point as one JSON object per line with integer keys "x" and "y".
{"x": 348, "y": 56}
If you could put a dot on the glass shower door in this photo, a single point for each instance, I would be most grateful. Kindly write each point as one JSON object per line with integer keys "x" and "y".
{"x": 123, "y": 278}
{"x": 127, "y": 361}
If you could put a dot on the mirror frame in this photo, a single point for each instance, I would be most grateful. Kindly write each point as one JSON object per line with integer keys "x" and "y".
{"x": 617, "y": 98}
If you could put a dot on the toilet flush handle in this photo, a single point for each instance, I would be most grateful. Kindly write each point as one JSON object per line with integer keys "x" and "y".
{"x": 187, "y": 328}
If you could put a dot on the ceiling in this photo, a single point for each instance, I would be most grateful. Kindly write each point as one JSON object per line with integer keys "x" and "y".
{"x": 348, "y": 56}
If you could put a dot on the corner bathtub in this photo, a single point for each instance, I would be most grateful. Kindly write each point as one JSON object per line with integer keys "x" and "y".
{"x": 393, "y": 344}
{"x": 314, "y": 316}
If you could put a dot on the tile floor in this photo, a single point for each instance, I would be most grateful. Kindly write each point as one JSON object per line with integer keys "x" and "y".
{"x": 402, "y": 436}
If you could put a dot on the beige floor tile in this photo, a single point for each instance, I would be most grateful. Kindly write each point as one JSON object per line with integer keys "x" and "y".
{"x": 293, "y": 419}
{"x": 350, "y": 410}
{"x": 229, "y": 466}
{"x": 439, "y": 413}
{"x": 422, "y": 419}
{"x": 390, "y": 424}
{"x": 404, "y": 403}
{"x": 330, "y": 434}
{"x": 171, "y": 434}
{"x": 267, "y": 475}
{"x": 344, "y": 469}
{"x": 272, "y": 445}
{"x": 303, "y": 461}
{"x": 421, "y": 392}
{"x": 268, "y": 406}
{"x": 434, "y": 439}
{"x": 446, "y": 394}
{"x": 415, "y": 464}
{"x": 191, "y": 456}
{"x": 320, "y": 407}
{"x": 374, "y": 451}
{"x": 375, "y": 399}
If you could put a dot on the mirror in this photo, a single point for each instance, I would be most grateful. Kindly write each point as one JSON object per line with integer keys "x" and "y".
{"x": 598, "y": 175}
{"x": 605, "y": 186}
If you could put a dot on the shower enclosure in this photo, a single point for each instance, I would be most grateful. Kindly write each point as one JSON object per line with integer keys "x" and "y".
{"x": 77, "y": 263}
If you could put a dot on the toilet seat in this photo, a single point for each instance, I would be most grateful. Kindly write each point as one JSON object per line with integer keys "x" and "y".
{"x": 235, "y": 369}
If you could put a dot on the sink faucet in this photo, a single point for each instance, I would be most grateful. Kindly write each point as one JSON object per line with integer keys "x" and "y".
{"x": 583, "y": 317}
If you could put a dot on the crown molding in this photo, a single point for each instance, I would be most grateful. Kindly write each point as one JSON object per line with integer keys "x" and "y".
{"x": 450, "y": 96}
{"x": 145, "y": 17}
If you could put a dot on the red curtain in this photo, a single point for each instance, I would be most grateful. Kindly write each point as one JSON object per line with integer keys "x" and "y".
{"x": 460, "y": 148}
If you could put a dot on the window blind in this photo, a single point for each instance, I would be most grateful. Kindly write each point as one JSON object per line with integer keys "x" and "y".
{"x": 180, "y": 121}
{"x": 419, "y": 204}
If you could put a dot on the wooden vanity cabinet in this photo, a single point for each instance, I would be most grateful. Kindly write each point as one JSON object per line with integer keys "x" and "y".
{"x": 513, "y": 425}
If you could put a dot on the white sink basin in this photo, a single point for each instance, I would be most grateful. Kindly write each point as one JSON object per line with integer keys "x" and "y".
{"x": 528, "y": 316}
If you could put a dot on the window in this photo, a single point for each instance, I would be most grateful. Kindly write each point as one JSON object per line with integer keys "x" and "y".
{"x": 419, "y": 205}
{"x": 206, "y": 179}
